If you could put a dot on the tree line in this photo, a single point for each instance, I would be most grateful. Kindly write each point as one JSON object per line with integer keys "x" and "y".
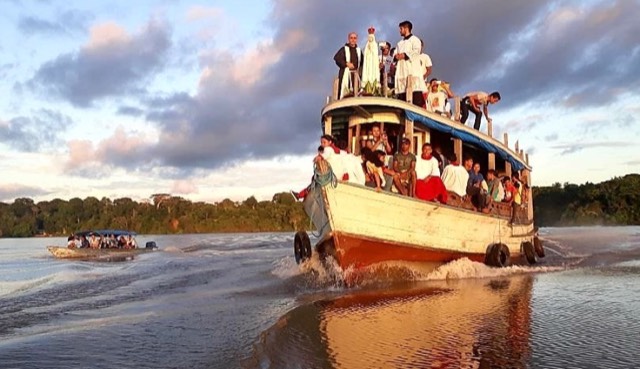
{"x": 613, "y": 202}
{"x": 162, "y": 214}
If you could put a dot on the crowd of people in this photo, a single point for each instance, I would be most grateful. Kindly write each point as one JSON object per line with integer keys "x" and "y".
{"x": 398, "y": 66}
{"x": 101, "y": 241}
{"x": 431, "y": 176}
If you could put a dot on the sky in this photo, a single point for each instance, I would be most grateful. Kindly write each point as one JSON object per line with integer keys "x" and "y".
{"x": 222, "y": 99}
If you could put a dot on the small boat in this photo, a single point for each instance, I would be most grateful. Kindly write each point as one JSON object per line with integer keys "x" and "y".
{"x": 360, "y": 227}
{"x": 104, "y": 252}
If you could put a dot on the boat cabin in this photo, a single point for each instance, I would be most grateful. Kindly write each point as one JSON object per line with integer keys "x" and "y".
{"x": 351, "y": 118}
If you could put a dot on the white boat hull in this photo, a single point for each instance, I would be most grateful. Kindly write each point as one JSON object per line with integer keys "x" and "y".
{"x": 360, "y": 227}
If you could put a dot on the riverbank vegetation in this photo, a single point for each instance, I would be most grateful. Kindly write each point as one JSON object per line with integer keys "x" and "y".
{"x": 162, "y": 214}
{"x": 613, "y": 202}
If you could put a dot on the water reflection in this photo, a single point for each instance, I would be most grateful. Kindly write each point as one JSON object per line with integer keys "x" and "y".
{"x": 453, "y": 324}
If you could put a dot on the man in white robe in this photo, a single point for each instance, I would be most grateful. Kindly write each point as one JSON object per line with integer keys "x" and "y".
{"x": 408, "y": 65}
{"x": 349, "y": 59}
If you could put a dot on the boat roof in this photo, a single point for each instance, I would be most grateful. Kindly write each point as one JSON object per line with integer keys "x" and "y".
{"x": 432, "y": 121}
{"x": 107, "y": 232}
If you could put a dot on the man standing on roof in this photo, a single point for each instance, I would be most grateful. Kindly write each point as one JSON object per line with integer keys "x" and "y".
{"x": 472, "y": 101}
{"x": 408, "y": 65}
{"x": 349, "y": 59}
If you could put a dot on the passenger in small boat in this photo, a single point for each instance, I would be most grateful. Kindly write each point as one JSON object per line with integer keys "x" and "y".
{"x": 71, "y": 242}
{"x": 349, "y": 59}
{"x": 94, "y": 242}
{"x": 472, "y": 101}
{"x": 455, "y": 176}
{"x": 84, "y": 242}
{"x": 131, "y": 242}
{"x": 509, "y": 189}
{"x": 404, "y": 165}
{"x": 496, "y": 190}
{"x": 122, "y": 242}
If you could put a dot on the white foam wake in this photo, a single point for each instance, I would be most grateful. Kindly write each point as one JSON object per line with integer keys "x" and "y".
{"x": 465, "y": 268}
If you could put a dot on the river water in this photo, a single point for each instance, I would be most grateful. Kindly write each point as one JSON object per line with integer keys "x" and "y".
{"x": 240, "y": 301}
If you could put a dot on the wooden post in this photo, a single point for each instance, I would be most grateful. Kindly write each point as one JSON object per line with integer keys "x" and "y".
{"x": 527, "y": 176}
{"x": 457, "y": 149}
{"x": 327, "y": 125}
{"x": 490, "y": 128}
{"x": 385, "y": 83}
{"x": 408, "y": 129}
{"x": 350, "y": 138}
{"x": 507, "y": 165}
{"x": 356, "y": 150}
{"x": 356, "y": 83}
{"x": 456, "y": 108}
{"x": 526, "y": 158}
{"x": 335, "y": 88}
{"x": 517, "y": 147}
{"x": 492, "y": 161}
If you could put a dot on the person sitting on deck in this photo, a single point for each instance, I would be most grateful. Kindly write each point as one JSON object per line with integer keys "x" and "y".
{"x": 478, "y": 195}
{"x": 472, "y": 101}
{"x": 429, "y": 186}
{"x": 375, "y": 169}
{"x": 495, "y": 188}
{"x": 455, "y": 177}
{"x": 509, "y": 189}
{"x": 404, "y": 164}
{"x": 380, "y": 140}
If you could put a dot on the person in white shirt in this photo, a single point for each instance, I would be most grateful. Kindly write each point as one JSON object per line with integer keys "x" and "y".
{"x": 456, "y": 177}
{"x": 426, "y": 164}
{"x": 437, "y": 99}
{"x": 408, "y": 65}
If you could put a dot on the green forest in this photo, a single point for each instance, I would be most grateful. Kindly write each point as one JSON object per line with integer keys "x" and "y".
{"x": 162, "y": 214}
{"x": 613, "y": 202}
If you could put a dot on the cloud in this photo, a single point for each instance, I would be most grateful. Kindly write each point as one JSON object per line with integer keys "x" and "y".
{"x": 184, "y": 187}
{"x": 262, "y": 100}
{"x": 11, "y": 191}
{"x": 130, "y": 110}
{"x": 633, "y": 163}
{"x": 122, "y": 149}
{"x": 30, "y": 134}
{"x": 67, "y": 23}
{"x": 570, "y": 148}
{"x": 199, "y": 13}
{"x": 112, "y": 63}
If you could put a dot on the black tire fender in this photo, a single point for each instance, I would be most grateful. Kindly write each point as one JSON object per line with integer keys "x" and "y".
{"x": 537, "y": 246}
{"x": 301, "y": 247}
{"x": 498, "y": 255}
{"x": 529, "y": 252}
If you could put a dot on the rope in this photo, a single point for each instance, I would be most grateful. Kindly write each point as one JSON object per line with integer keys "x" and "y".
{"x": 323, "y": 175}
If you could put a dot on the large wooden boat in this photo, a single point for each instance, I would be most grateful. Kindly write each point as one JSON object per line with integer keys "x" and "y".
{"x": 359, "y": 226}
